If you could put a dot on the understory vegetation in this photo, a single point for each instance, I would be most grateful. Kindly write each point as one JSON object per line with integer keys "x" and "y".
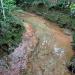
{"x": 11, "y": 28}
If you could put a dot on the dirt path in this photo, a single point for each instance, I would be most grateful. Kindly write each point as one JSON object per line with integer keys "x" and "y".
{"x": 53, "y": 50}
{"x": 40, "y": 24}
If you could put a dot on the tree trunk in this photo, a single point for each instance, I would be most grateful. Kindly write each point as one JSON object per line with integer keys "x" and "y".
{"x": 3, "y": 11}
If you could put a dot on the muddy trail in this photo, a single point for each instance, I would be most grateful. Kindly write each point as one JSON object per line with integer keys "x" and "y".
{"x": 44, "y": 50}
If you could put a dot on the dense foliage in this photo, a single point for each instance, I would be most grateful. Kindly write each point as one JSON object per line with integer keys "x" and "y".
{"x": 10, "y": 28}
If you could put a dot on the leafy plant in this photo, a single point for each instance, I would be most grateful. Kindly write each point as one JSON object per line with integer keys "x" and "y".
{"x": 11, "y": 29}
{"x": 72, "y": 9}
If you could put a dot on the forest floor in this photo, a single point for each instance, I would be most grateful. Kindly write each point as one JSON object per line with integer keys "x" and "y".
{"x": 44, "y": 50}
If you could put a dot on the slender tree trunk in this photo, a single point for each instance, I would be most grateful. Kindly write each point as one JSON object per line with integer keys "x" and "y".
{"x": 3, "y": 11}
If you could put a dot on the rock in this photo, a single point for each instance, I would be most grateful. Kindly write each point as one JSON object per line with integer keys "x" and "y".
{"x": 67, "y": 32}
{"x": 58, "y": 51}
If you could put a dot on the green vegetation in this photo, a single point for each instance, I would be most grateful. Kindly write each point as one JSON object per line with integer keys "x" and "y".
{"x": 72, "y": 8}
{"x": 11, "y": 28}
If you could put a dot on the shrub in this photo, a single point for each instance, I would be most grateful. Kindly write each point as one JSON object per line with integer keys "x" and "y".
{"x": 11, "y": 28}
{"x": 10, "y": 34}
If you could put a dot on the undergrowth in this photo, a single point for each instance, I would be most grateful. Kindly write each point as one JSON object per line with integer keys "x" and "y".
{"x": 10, "y": 34}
